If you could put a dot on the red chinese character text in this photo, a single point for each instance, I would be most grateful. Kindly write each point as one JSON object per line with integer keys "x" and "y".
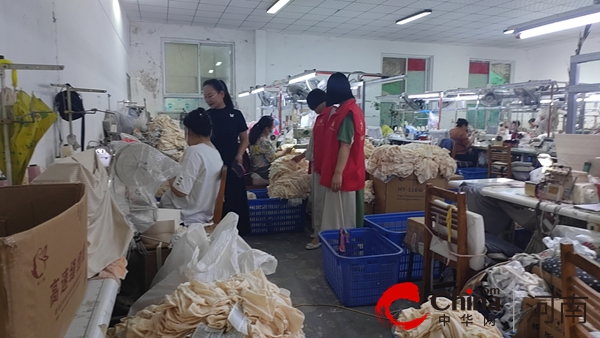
{"x": 54, "y": 295}
{"x": 72, "y": 269}
{"x": 65, "y": 280}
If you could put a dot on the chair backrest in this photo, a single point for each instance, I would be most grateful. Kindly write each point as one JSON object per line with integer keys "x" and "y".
{"x": 573, "y": 309}
{"x": 218, "y": 215}
{"x": 499, "y": 161}
{"x": 448, "y": 143}
{"x": 434, "y": 214}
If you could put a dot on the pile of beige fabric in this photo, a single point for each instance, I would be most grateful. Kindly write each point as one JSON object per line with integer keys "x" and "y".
{"x": 288, "y": 179}
{"x": 268, "y": 309}
{"x": 172, "y": 138}
{"x": 251, "y": 195}
{"x": 454, "y": 327}
{"x": 425, "y": 161}
{"x": 369, "y": 192}
{"x": 369, "y": 148}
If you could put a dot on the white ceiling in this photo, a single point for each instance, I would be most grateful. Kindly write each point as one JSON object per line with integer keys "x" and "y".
{"x": 458, "y": 22}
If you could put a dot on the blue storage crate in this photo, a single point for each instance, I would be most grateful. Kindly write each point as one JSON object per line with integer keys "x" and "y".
{"x": 275, "y": 215}
{"x": 365, "y": 271}
{"x": 472, "y": 173}
{"x": 393, "y": 227}
{"x": 522, "y": 238}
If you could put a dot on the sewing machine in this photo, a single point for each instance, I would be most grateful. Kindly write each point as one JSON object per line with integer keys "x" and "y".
{"x": 552, "y": 187}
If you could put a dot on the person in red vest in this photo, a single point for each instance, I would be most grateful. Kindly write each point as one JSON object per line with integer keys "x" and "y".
{"x": 316, "y": 101}
{"x": 343, "y": 162}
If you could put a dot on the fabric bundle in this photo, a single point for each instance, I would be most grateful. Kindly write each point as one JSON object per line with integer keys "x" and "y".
{"x": 434, "y": 327}
{"x": 172, "y": 138}
{"x": 288, "y": 179}
{"x": 268, "y": 310}
{"x": 425, "y": 161}
{"x": 251, "y": 195}
{"x": 369, "y": 148}
{"x": 369, "y": 192}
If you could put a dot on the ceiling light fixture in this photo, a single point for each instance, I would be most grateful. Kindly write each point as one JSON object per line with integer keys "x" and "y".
{"x": 509, "y": 31}
{"x": 414, "y": 17}
{"x": 243, "y": 94}
{"x": 218, "y": 63}
{"x": 303, "y": 77}
{"x": 257, "y": 90}
{"x": 211, "y": 71}
{"x": 277, "y": 6}
{"x": 572, "y": 19}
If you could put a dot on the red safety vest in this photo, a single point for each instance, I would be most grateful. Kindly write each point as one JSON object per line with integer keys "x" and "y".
{"x": 353, "y": 176}
{"x": 319, "y": 138}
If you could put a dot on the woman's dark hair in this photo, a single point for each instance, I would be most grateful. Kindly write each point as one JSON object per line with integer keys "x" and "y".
{"x": 518, "y": 123}
{"x": 462, "y": 122}
{"x": 259, "y": 127}
{"x": 198, "y": 122}
{"x": 315, "y": 98}
{"x": 220, "y": 86}
{"x": 338, "y": 89}
{"x": 531, "y": 120}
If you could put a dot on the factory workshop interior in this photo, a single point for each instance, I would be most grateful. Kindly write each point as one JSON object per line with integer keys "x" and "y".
{"x": 299, "y": 168}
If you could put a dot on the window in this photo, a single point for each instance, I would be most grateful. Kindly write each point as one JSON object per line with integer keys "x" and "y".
{"x": 415, "y": 69}
{"x": 482, "y": 73}
{"x": 187, "y": 65}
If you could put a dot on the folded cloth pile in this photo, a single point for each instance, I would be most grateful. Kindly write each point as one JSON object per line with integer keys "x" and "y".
{"x": 424, "y": 160}
{"x": 369, "y": 192}
{"x": 434, "y": 327}
{"x": 288, "y": 179}
{"x": 268, "y": 309}
{"x": 251, "y": 195}
{"x": 369, "y": 148}
{"x": 172, "y": 138}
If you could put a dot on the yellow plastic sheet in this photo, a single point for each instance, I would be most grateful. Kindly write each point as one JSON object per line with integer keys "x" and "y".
{"x": 32, "y": 118}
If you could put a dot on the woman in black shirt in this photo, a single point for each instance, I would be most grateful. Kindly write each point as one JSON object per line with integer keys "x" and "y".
{"x": 230, "y": 138}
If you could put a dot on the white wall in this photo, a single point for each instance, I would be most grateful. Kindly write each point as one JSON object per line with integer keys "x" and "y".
{"x": 146, "y": 60}
{"x": 90, "y": 38}
{"x": 552, "y": 62}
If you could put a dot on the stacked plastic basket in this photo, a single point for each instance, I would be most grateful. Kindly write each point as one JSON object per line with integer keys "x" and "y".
{"x": 275, "y": 215}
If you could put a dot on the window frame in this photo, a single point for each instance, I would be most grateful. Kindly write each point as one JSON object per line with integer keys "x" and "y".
{"x": 490, "y": 61}
{"x": 428, "y": 65}
{"x": 199, "y": 43}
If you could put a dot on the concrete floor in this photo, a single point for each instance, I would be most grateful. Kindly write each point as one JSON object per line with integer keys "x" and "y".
{"x": 301, "y": 272}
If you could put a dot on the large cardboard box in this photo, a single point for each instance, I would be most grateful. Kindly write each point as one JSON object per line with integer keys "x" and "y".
{"x": 43, "y": 258}
{"x": 529, "y": 326}
{"x": 554, "y": 282}
{"x": 368, "y": 208}
{"x": 400, "y": 195}
{"x": 552, "y": 320}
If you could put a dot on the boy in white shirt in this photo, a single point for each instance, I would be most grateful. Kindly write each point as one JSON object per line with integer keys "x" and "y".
{"x": 195, "y": 190}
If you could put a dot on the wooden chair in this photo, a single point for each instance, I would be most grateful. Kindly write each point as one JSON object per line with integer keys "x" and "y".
{"x": 499, "y": 162}
{"x": 572, "y": 286}
{"x": 220, "y": 197}
{"x": 435, "y": 213}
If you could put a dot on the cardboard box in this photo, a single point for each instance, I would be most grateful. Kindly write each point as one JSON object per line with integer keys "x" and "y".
{"x": 554, "y": 282}
{"x": 551, "y": 320}
{"x": 400, "y": 195}
{"x": 43, "y": 258}
{"x": 529, "y": 326}
{"x": 415, "y": 234}
{"x": 368, "y": 208}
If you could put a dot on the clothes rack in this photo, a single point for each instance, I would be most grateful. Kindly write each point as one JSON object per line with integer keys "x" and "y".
{"x": 6, "y": 120}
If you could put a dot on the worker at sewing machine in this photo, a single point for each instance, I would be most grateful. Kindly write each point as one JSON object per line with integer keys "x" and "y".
{"x": 262, "y": 151}
{"x": 194, "y": 191}
{"x": 463, "y": 142}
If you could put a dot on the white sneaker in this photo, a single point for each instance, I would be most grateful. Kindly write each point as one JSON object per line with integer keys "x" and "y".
{"x": 311, "y": 246}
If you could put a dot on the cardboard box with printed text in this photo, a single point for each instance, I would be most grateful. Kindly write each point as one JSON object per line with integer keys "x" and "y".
{"x": 400, "y": 195}
{"x": 43, "y": 258}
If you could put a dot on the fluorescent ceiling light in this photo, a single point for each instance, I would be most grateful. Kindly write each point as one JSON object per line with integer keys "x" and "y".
{"x": 356, "y": 85}
{"x": 572, "y": 19}
{"x": 277, "y": 6}
{"x": 218, "y": 63}
{"x": 424, "y": 96}
{"x": 303, "y": 77}
{"x": 467, "y": 98}
{"x": 414, "y": 17}
{"x": 257, "y": 90}
{"x": 593, "y": 98}
{"x": 211, "y": 71}
{"x": 242, "y": 94}
{"x": 509, "y": 31}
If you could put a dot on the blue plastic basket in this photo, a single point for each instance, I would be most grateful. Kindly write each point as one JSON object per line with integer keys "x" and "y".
{"x": 472, "y": 173}
{"x": 275, "y": 215}
{"x": 365, "y": 271}
{"x": 393, "y": 227}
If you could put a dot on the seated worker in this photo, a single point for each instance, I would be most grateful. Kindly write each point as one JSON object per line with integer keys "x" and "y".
{"x": 462, "y": 142}
{"x": 262, "y": 151}
{"x": 515, "y": 127}
{"x": 195, "y": 190}
{"x": 532, "y": 124}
